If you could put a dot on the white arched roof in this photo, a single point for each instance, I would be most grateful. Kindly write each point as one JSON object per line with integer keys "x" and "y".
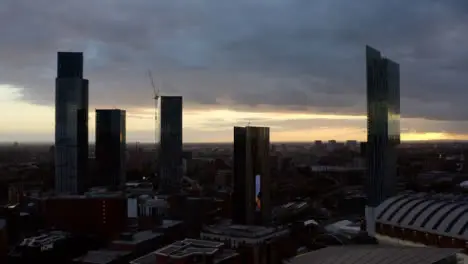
{"x": 440, "y": 214}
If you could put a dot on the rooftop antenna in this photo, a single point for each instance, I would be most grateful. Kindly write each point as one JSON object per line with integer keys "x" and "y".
{"x": 248, "y": 123}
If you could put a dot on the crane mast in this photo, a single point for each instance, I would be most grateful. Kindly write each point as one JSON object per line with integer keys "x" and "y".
{"x": 155, "y": 95}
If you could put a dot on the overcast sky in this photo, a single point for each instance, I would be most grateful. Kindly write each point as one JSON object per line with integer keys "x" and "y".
{"x": 271, "y": 57}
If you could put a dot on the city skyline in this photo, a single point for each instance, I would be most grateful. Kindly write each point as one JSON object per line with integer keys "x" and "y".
{"x": 233, "y": 65}
{"x": 35, "y": 124}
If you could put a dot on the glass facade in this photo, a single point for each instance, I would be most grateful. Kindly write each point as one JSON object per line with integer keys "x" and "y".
{"x": 70, "y": 65}
{"x": 71, "y": 124}
{"x": 393, "y": 93}
{"x": 251, "y": 174}
{"x": 383, "y": 126}
{"x": 240, "y": 184}
{"x": 110, "y": 147}
{"x": 71, "y": 134}
{"x": 169, "y": 132}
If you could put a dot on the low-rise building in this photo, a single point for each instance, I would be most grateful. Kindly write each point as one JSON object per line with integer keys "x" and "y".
{"x": 138, "y": 243}
{"x": 103, "y": 257}
{"x": 193, "y": 251}
{"x": 376, "y": 255}
{"x": 50, "y": 247}
{"x": 102, "y": 214}
{"x": 256, "y": 244}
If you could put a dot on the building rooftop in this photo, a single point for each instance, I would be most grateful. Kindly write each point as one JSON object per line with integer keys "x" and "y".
{"x": 248, "y": 231}
{"x": 45, "y": 240}
{"x": 441, "y": 214}
{"x": 343, "y": 226}
{"x": 139, "y": 185}
{"x": 138, "y": 237}
{"x": 146, "y": 259}
{"x": 374, "y": 255}
{"x": 87, "y": 195}
{"x": 101, "y": 256}
{"x": 167, "y": 223}
{"x": 186, "y": 248}
{"x": 334, "y": 168}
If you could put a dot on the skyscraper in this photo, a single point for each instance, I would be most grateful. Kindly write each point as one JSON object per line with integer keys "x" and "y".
{"x": 383, "y": 130}
{"x": 169, "y": 129}
{"x": 71, "y": 124}
{"x": 251, "y": 168}
{"x": 110, "y": 147}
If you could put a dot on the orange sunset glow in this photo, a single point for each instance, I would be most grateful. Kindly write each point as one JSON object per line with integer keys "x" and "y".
{"x": 210, "y": 125}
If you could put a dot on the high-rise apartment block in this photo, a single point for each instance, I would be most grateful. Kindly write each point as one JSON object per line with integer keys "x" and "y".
{"x": 71, "y": 124}
{"x": 252, "y": 183}
{"x": 110, "y": 148}
{"x": 169, "y": 137}
{"x": 383, "y": 129}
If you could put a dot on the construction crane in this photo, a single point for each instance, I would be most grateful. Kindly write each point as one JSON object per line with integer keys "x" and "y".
{"x": 155, "y": 94}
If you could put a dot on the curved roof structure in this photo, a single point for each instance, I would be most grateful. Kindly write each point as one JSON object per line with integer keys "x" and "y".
{"x": 441, "y": 214}
{"x": 374, "y": 255}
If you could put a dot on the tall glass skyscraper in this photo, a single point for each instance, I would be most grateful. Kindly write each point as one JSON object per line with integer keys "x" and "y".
{"x": 110, "y": 148}
{"x": 71, "y": 124}
{"x": 169, "y": 134}
{"x": 383, "y": 130}
{"x": 252, "y": 182}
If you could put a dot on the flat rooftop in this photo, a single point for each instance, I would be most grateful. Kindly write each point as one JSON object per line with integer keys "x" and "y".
{"x": 101, "y": 256}
{"x": 374, "y": 255}
{"x": 86, "y": 196}
{"x": 166, "y": 223}
{"x": 44, "y": 239}
{"x": 139, "y": 237}
{"x": 186, "y": 248}
{"x": 249, "y": 231}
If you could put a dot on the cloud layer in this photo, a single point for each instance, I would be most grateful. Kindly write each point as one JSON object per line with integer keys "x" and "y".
{"x": 296, "y": 55}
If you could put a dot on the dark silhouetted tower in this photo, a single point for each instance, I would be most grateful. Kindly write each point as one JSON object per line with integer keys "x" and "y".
{"x": 383, "y": 130}
{"x": 170, "y": 144}
{"x": 71, "y": 124}
{"x": 110, "y": 148}
{"x": 251, "y": 161}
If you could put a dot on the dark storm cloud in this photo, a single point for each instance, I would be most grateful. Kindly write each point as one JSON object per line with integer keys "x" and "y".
{"x": 296, "y": 55}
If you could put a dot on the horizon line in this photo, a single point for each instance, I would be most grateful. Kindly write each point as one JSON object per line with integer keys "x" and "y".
{"x": 273, "y": 142}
